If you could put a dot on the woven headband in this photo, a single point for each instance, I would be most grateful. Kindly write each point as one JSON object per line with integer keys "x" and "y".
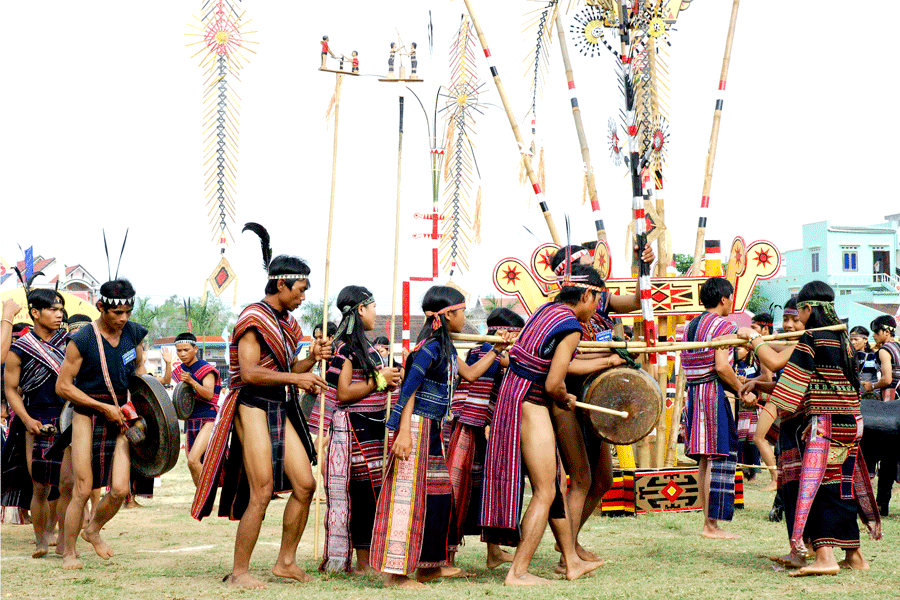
{"x": 116, "y": 301}
{"x": 288, "y": 276}
{"x": 436, "y": 324}
{"x": 575, "y": 256}
{"x": 348, "y": 318}
{"x": 793, "y": 312}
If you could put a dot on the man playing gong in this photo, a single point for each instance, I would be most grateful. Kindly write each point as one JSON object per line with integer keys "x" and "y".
{"x": 102, "y": 357}
{"x": 203, "y": 379}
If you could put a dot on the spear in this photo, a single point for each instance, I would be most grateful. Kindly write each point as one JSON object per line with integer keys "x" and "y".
{"x": 714, "y": 141}
{"x": 539, "y": 195}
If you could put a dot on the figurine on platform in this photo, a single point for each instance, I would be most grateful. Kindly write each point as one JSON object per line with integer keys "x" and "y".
{"x": 413, "y": 63}
{"x": 326, "y": 51}
{"x": 355, "y": 62}
{"x": 391, "y": 59}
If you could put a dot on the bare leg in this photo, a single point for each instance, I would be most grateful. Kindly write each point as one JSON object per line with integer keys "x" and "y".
{"x": 362, "y": 563}
{"x": 120, "y": 483}
{"x": 574, "y": 452}
{"x": 853, "y": 559}
{"x": 766, "y": 418}
{"x": 253, "y": 432}
{"x": 40, "y": 507}
{"x": 80, "y": 452}
{"x": 496, "y": 556}
{"x": 195, "y": 456}
{"x": 538, "y": 445}
{"x": 66, "y": 481}
{"x": 825, "y": 564}
{"x": 299, "y": 471}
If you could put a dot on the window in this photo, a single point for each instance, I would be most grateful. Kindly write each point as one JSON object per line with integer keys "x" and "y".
{"x": 846, "y": 292}
{"x": 849, "y": 260}
{"x": 815, "y": 260}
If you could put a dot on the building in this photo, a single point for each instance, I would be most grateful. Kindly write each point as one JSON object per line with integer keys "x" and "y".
{"x": 861, "y": 264}
{"x": 75, "y": 280}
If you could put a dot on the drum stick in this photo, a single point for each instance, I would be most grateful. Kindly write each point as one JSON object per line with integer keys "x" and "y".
{"x": 608, "y": 411}
{"x": 743, "y": 466}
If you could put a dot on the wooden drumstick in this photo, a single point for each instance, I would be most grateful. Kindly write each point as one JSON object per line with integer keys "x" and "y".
{"x": 608, "y": 411}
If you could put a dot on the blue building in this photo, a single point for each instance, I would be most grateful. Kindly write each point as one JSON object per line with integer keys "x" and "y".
{"x": 862, "y": 264}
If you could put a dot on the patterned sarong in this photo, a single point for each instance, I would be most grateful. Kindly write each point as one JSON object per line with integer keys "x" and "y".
{"x": 338, "y": 553}
{"x": 460, "y": 461}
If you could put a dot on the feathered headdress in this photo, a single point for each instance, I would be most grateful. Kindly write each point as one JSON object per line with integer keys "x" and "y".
{"x": 106, "y": 299}
{"x": 266, "y": 245}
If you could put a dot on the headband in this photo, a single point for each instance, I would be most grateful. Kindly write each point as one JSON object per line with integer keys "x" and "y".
{"x": 792, "y": 312}
{"x": 191, "y": 342}
{"x": 436, "y": 324}
{"x": 288, "y": 276}
{"x": 116, "y": 301}
{"x": 575, "y": 256}
{"x": 348, "y": 319}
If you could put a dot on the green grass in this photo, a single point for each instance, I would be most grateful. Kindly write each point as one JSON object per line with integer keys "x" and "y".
{"x": 650, "y": 556}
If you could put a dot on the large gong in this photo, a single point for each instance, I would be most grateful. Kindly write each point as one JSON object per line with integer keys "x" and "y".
{"x": 623, "y": 389}
{"x": 184, "y": 400}
{"x": 157, "y": 453}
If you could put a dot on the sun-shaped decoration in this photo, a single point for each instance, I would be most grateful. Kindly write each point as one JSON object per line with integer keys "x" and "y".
{"x": 659, "y": 141}
{"x": 511, "y": 274}
{"x": 615, "y": 144}
{"x": 762, "y": 258}
{"x": 588, "y": 31}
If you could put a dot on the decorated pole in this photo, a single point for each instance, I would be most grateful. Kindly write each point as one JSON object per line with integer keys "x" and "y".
{"x": 713, "y": 142}
{"x": 532, "y": 177}
{"x": 582, "y": 139}
{"x": 323, "y": 366}
{"x": 390, "y": 395}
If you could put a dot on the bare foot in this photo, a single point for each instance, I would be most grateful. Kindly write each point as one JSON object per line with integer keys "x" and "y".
{"x": 586, "y": 554}
{"x": 854, "y": 560}
{"x": 789, "y": 560}
{"x": 525, "y": 579}
{"x": 244, "y": 580}
{"x": 495, "y": 559}
{"x": 52, "y": 542}
{"x": 100, "y": 547}
{"x": 715, "y": 533}
{"x": 582, "y": 567}
{"x": 403, "y": 582}
{"x": 366, "y": 570}
{"x": 71, "y": 562}
{"x": 39, "y": 552}
{"x": 132, "y": 504}
{"x": 816, "y": 569}
{"x": 560, "y": 566}
{"x": 291, "y": 571}
{"x": 424, "y": 575}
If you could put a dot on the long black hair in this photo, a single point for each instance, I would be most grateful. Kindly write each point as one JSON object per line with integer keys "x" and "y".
{"x": 503, "y": 318}
{"x": 436, "y": 298}
{"x": 350, "y": 330}
{"x": 822, "y": 316}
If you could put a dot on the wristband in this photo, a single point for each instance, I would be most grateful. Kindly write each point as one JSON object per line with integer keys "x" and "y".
{"x": 7, "y": 321}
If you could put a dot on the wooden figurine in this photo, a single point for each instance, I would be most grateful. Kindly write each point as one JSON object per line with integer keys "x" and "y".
{"x": 391, "y": 59}
{"x": 326, "y": 51}
{"x": 413, "y": 63}
{"x": 355, "y": 62}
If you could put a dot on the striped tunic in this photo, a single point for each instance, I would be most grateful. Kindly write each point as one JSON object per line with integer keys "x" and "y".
{"x": 473, "y": 403}
{"x": 530, "y": 359}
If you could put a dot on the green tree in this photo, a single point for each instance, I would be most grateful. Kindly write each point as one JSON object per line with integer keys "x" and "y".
{"x": 683, "y": 263}
{"x": 170, "y": 318}
{"x": 311, "y": 313}
{"x": 758, "y": 301}
{"x": 492, "y": 302}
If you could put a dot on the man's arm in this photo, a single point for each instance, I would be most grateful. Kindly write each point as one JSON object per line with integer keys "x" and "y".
{"x": 13, "y": 370}
{"x": 10, "y": 309}
{"x": 65, "y": 387}
{"x": 555, "y": 384}
{"x": 206, "y": 389}
{"x": 249, "y": 353}
{"x": 166, "y": 378}
{"x": 884, "y": 358}
{"x": 724, "y": 369}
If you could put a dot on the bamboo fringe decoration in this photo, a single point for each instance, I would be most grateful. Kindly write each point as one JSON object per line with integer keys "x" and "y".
{"x": 476, "y": 223}
{"x": 542, "y": 173}
{"x": 450, "y": 137}
{"x": 335, "y": 98}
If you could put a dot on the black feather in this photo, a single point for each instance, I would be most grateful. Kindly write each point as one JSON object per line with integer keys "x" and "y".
{"x": 121, "y": 252}
{"x": 20, "y": 276}
{"x": 106, "y": 249}
{"x": 31, "y": 279}
{"x": 263, "y": 240}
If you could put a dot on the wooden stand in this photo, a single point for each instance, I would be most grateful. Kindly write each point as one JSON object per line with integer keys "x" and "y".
{"x": 640, "y": 491}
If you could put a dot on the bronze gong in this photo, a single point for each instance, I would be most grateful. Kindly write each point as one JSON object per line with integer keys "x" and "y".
{"x": 623, "y": 389}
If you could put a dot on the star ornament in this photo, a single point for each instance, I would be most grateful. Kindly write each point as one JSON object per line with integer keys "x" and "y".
{"x": 511, "y": 274}
{"x": 763, "y": 258}
{"x": 545, "y": 258}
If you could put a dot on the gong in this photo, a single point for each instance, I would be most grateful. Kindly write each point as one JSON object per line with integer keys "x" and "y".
{"x": 184, "y": 399}
{"x": 157, "y": 452}
{"x": 623, "y": 389}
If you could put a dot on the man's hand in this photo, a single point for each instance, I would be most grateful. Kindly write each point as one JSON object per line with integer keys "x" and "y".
{"x": 647, "y": 255}
{"x": 391, "y": 376}
{"x": 747, "y": 389}
{"x": 402, "y": 447}
{"x": 10, "y": 308}
{"x": 508, "y": 339}
{"x": 569, "y": 403}
{"x": 745, "y": 333}
{"x": 750, "y": 400}
{"x": 166, "y": 354}
{"x": 616, "y": 361}
{"x": 114, "y": 413}
{"x": 868, "y": 386}
{"x": 309, "y": 382}
{"x": 321, "y": 350}
{"x": 33, "y": 426}
{"x": 185, "y": 377}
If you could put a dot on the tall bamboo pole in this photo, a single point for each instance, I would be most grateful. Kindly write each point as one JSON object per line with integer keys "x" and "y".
{"x": 714, "y": 142}
{"x": 323, "y": 366}
{"x": 390, "y": 394}
{"x": 526, "y": 158}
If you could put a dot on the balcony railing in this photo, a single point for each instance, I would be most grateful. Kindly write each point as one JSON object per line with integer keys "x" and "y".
{"x": 866, "y": 279}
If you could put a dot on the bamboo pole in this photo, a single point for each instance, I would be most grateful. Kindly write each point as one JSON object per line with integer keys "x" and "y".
{"x": 529, "y": 169}
{"x": 714, "y": 141}
{"x": 603, "y": 409}
{"x": 582, "y": 138}
{"x": 323, "y": 367}
{"x": 389, "y": 400}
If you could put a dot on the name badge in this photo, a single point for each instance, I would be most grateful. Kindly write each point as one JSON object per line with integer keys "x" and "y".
{"x": 869, "y": 364}
{"x": 604, "y": 336}
{"x": 751, "y": 372}
{"x": 129, "y": 356}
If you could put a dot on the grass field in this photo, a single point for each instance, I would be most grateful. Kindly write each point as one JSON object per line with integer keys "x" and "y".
{"x": 162, "y": 553}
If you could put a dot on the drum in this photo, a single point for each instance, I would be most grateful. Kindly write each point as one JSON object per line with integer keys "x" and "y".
{"x": 184, "y": 399}
{"x": 157, "y": 452}
{"x": 883, "y": 417}
{"x": 624, "y": 389}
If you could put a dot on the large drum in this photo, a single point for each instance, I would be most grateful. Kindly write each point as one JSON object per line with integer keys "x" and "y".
{"x": 184, "y": 400}
{"x": 157, "y": 452}
{"x": 881, "y": 417}
{"x": 624, "y": 389}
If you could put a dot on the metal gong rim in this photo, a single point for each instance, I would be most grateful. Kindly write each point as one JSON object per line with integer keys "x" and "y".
{"x": 184, "y": 400}
{"x": 623, "y": 388}
{"x": 158, "y": 453}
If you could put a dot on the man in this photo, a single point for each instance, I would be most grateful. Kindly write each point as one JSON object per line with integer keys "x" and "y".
{"x": 100, "y": 452}
{"x": 77, "y": 321}
{"x": 762, "y": 324}
{"x": 271, "y": 450}
{"x": 203, "y": 379}
{"x": 30, "y": 384}
{"x": 888, "y": 384}
{"x": 711, "y": 428}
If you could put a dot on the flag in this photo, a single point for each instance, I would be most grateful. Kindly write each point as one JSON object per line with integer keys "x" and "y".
{"x": 29, "y": 262}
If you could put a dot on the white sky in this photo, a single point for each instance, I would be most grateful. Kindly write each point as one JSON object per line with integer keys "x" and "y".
{"x": 100, "y": 126}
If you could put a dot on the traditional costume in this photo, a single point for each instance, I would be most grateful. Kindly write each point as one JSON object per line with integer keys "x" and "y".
{"x": 893, "y": 349}
{"x": 711, "y": 427}
{"x": 353, "y": 466}
{"x": 833, "y": 483}
{"x": 747, "y": 419}
{"x": 279, "y": 335}
{"x": 205, "y": 411}
{"x": 414, "y": 515}
{"x": 529, "y": 362}
{"x": 40, "y": 367}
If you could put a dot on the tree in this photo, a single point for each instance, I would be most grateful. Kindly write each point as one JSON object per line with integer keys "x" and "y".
{"x": 492, "y": 302}
{"x": 758, "y": 303}
{"x": 170, "y": 318}
{"x": 311, "y": 313}
{"x": 683, "y": 263}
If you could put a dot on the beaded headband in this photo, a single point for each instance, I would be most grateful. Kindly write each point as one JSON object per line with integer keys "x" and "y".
{"x": 116, "y": 301}
{"x": 793, "y": 312}
{"x": 289, "y": 276}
